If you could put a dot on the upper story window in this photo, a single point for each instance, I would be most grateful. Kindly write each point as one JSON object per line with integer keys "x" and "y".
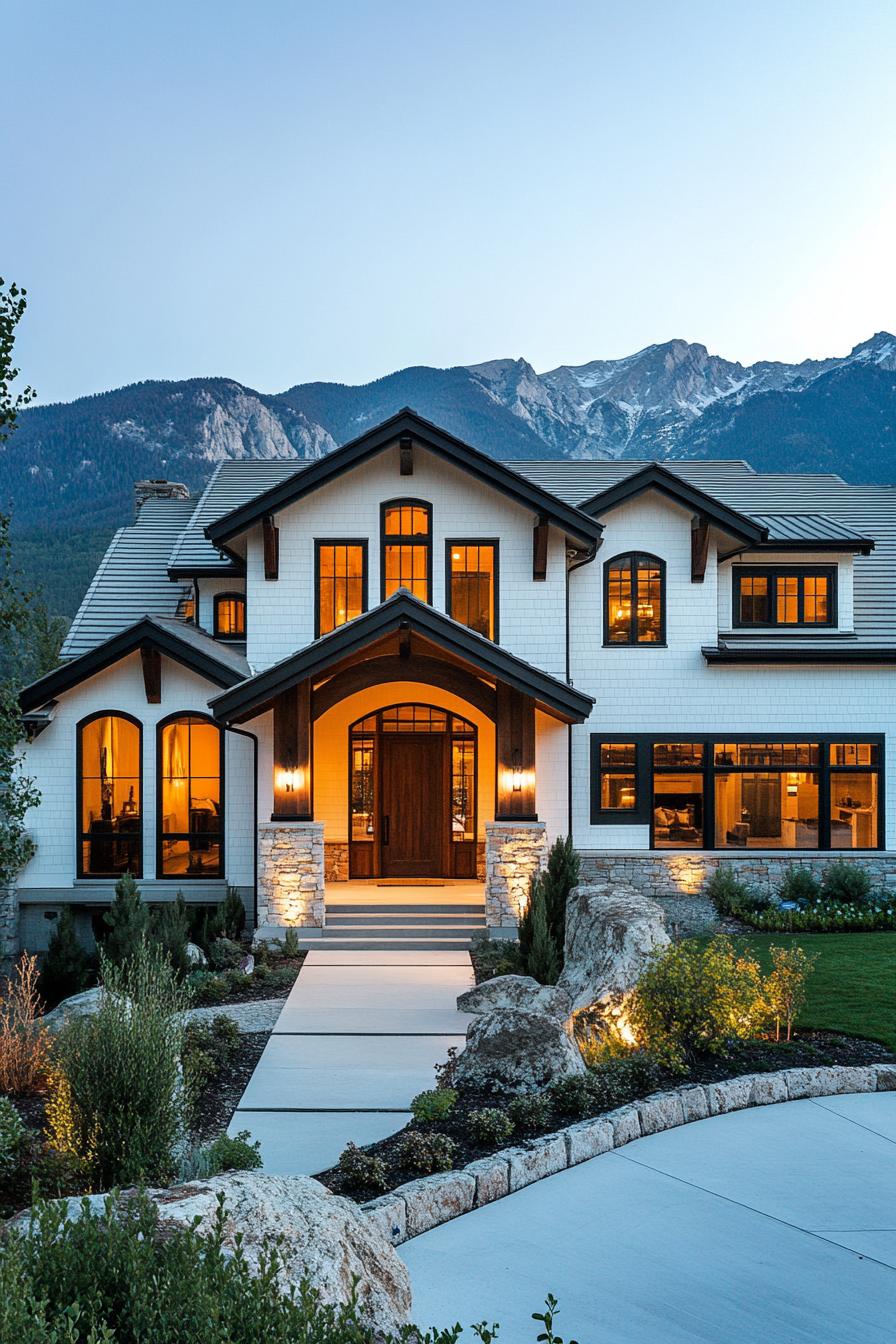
{"x": 788, "y": 595}
{"x": 471, "y": 584}
{"x": 230, "y": 616}
{"x": 110, "y": 837}
{"x": 407, "y": 548}
{"x": 340, "y": 583}
{"x": 634, "y": 600}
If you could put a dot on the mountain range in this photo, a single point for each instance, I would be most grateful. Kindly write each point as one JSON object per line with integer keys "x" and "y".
{"x": 68, "y": 470}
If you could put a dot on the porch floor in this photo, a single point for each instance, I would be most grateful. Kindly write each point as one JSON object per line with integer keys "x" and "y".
{"x": 377, "y": 891}
{"x": 358, "y": 1037}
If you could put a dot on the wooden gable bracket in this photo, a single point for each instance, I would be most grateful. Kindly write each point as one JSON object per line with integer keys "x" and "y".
{"x": 699, "y": 548}
{"x": 404, "y": 640}
{"x": 406, "y": 455}
{"x": 152, "y": 675}
{"x": 271, "y": 537}
{"x": 540, "y": 549}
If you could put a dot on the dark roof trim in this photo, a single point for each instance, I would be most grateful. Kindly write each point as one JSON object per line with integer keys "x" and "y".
{"x": 144, "y": 634}
{"x": 496, "y": 474}
{"x": 809, "y": 656}
{"x": 399, "y": 611}
{"x": 856, "y": 546}
{"x": 656, "y": 477}
{"x": 230, "y": 570}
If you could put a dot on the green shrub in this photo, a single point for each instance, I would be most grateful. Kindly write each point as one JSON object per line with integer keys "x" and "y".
{"x": 499, "y": 956}
{"x": 127, "y": 920}
{"x": 114, "y": 1277}
{"x": 846, "y": 883}
{"x": 425, "y": 1153}
{"x": 207, "y": 988}
{"x": 117, "y": 1104}
{"x": 829, "y": 917}
{"x": 490, "y": 1126}
{"x": 532, "y": 1113}
{"x": 290, "y": 944}
{"x": 222, "y": 1154}
{"x": 694, "y": 998}
{"x": 169, "y": 926}
{"x": 436, "y": 1104}
{"x": 12, "y": 1132}
{"x": 225, "y": 955}
{"x": 785, "y": 988}
{"x": 232, "y": 915}
{"x": 66, "y": 968}
{"x": 541, "y": 960}
{"x": 575, "y": 1098}
{"x": 732, "y": 897}
{"x": 616, "y": 1082}
{"x": 207, "y": 1049}
{"x": 799, "y": 885}
{"x": 362, "y": 1171}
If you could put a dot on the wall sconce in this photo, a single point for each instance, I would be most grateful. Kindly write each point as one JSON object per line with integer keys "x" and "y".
{"x": 517, "y": 772}
{"x": 290, "y": 778}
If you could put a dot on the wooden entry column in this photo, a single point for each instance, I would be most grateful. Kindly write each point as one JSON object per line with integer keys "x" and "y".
{"x": 292, "y": 754}
{"x": 515, "y": 755}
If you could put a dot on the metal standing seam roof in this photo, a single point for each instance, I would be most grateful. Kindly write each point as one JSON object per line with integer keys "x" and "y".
{"x": 133, "y": 578}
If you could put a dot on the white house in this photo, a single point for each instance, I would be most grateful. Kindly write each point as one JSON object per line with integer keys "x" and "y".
{"x": 408, "y": 662}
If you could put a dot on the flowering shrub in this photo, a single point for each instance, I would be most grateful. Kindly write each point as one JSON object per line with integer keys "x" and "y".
{"x": 827, "y": 917}
{"x": 24, "y": 1041}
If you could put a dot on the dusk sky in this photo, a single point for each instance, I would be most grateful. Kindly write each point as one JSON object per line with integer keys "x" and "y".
{"x": 282, "y": 192}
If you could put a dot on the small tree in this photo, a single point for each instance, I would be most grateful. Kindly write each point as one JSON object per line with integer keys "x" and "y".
{"x": 66, "y": 968}
{"x": 785, "y": 988}
{"x": 232, "y": 914}
{"x": 541, "y": 961}
{"x": 170, "y": 928}
{"x": 127, "y": 920}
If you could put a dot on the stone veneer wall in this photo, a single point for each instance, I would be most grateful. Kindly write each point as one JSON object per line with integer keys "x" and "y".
{"x": 336, "y": 860}
{"x": 514, "y": 850}
{"x": 9, "y": 926}
{"x": 686, "y": 873}
{"x": 291, "y": 874}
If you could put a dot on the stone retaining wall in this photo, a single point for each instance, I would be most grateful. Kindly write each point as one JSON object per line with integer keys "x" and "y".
{"x": 514, "y": 850}
{"x": 291, "y": 874}
{"x": 420, "y": 1205}
{"x": 687, "y": 873}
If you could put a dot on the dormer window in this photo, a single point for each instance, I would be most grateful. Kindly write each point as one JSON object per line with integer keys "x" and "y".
{"x": 785, "y": 596}
{"x": 230, "y": 616}
{"x": 634, "y": 600}
{"x": 407, "y": 548}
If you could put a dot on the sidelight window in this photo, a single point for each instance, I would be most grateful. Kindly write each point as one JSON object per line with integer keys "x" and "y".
{"x": 110, "y": 838}
{"x": 634, "y": 600}
{"x": 340, "y": 583}
{"x": 471, "y": 585}
{"x": 407, "y": 548}
{"x": 191, "y": 813}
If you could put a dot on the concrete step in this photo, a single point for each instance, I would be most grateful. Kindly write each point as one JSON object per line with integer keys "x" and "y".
{"x": 341, "y": 910}
{"x": 411, "y": 921}
{"x": 365, "y": 943}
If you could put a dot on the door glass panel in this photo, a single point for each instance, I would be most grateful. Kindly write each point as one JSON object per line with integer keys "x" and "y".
{"x": 463, "y": 789}
{"x": 362, "y": 788}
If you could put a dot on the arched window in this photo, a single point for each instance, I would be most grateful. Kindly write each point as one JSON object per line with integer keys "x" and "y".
{"x": 407, "y": 548}
{"x": 230, "y": 616}
{"x": 191, "y": 797}
{"x": 635, "y": 599}
{"x": 110, "y": 791}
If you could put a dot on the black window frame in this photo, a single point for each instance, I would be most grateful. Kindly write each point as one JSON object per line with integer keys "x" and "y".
{"x": 772, "y": 573}
{"x": 400, "y": 539}
{"x": 643, "y": 814}
{"x": 161, "y": 835}
{"x": 633, "y": 642}
{"x": 229, "y": 597}
{"x": 80, "y": 835}
{"x": 319, "y": 543}
{"x": 494, "y": 543}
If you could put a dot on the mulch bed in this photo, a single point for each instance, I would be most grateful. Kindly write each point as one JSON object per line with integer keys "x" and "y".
{"x": 262, "y": 990}
{"x": 218, "y": 1102}
{"x": 807, "y": 1049}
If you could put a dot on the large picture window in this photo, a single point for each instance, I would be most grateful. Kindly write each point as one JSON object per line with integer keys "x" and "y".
{"x": 471, "y": 585}
{"x": 634, "y": 600}
{"x": 786, "y": 595}
{"x": 110, "y": 826}
{"x": 749, "y": 793}
{"x": 407, "y": 548}
{"x": 340, "y": 583}
{"x": 191, "y": 800}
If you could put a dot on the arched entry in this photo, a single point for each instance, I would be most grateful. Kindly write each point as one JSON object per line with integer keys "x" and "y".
{"x": 412, "y": 793}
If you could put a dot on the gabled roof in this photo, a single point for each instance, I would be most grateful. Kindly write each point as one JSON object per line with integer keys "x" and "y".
{"x": 232, "y": 484}
{"x": 184, "y": 643}
{"x": 656, "y": 477}
{"x": 403, "y": 611}
{"x": 496, "y": 474}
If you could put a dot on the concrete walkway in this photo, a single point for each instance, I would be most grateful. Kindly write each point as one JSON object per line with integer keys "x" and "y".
{"x": 358, "y": 1037}
{"x": 774, "y": 1224}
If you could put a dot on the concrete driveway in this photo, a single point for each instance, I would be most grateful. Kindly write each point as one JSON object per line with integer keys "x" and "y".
{"x": 768, "y": 1226}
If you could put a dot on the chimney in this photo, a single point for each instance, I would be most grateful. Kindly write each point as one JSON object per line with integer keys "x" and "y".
{"x": 144, "y": 490}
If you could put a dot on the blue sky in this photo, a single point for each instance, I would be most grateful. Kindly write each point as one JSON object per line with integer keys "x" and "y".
{"x": 282, "y": 192}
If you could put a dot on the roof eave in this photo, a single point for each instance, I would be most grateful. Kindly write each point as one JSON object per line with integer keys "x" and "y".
{"x": 880, "y": 655}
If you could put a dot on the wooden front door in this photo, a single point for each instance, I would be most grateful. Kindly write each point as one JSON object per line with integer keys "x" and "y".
{"x": 414, "y": 804}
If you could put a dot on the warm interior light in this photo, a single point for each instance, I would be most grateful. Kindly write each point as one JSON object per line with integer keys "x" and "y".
{"x": 291, "y": 779}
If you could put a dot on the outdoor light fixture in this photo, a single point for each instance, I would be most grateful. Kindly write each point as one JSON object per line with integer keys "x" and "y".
{"x": 517, "y": 773}
{"x": 290, "y": 778}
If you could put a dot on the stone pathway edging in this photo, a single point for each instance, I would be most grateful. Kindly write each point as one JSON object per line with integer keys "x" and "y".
{"x": 420, "y": 1205}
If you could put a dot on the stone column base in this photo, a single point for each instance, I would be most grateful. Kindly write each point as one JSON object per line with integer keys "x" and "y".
{"x": 291, "y": 874}
{"x": 9, "y": 926}
{"x": 514, "y": 852}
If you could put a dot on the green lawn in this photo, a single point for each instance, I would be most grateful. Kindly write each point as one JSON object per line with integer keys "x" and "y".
{"x": 853, "y": 985}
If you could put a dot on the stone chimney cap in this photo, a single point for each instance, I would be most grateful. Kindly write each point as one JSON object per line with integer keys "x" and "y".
{"x": 158, "y": 489}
